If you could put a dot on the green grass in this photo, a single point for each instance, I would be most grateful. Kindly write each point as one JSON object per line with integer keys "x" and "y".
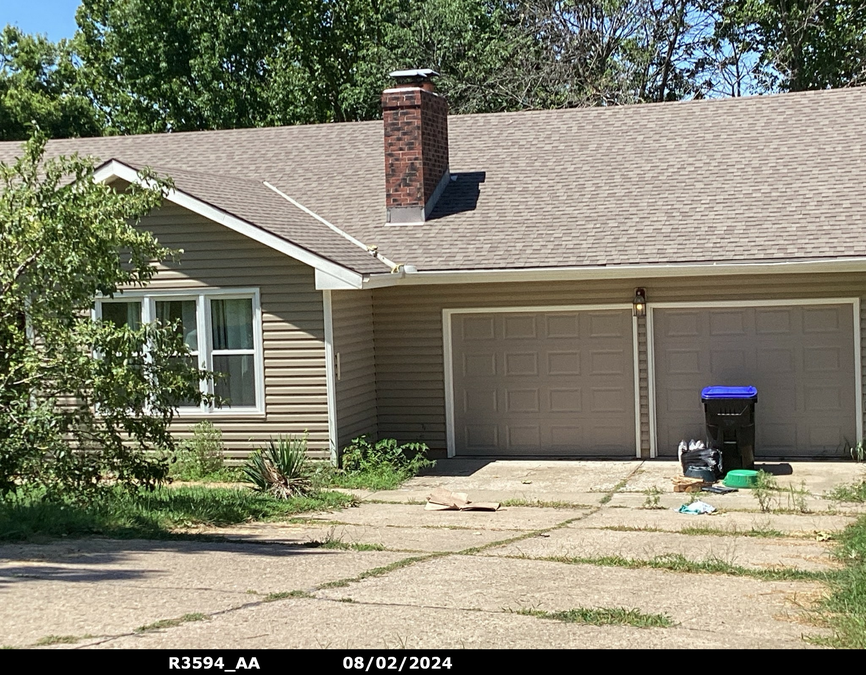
{"x": 378, "y": 571}
{"x": 156, "y": 514}
{"x": 282, "y": 595}
{"x": 384, "y": 477}
{"x": 758, "y": 533}
{"x": 541, "y": 504}
{"x": 336, "y": 545}
{"x": 60, "y": 640}
{"x": 171, "y": 623}
{"x": 604, "y": 616}
{"x": 856, "y": 492}
{"x": 227, "y": 474}
{"x": 616, "y": 488}
{"x": 703, "y": 530}
{"x": 652, "y": 498}
{"x": 844, "y": 611}
{"x": 679, "y": 563}
{"x": 333, "y": 542}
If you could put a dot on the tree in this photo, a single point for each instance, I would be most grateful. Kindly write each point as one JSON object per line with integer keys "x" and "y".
{"x": 809, "y": 44}
{"x": 37, "y": 88}
{"x": 487, "y": 60}
{"x": 201, "y": 64}
{"x": 80, "y": 400}
{"x": 798, "y": 44}
{"x": 179, "y": 64}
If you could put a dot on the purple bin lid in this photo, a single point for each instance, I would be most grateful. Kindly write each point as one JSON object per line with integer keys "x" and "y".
{"x": 728, "y": 392}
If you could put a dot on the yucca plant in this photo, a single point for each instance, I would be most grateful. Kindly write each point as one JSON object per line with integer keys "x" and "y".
{"x": 281, "y": 468}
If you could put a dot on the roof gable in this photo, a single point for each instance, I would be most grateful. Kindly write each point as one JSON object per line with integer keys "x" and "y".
{"x": 256, "y": 211}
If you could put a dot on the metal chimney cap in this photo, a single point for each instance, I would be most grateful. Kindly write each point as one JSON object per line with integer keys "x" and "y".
{"x": 417, "y": 73}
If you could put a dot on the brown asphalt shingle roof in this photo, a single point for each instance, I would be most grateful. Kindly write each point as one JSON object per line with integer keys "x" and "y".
{"x": 736, "y": 180}
{"x": 253, "y": 202}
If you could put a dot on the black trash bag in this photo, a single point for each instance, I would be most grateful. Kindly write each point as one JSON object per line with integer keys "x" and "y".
{"x": 701, "y": 458}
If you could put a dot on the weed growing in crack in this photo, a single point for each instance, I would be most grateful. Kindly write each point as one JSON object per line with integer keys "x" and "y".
{"x": 538, "y": 503}
{"x": 60, "y": 640}
{"x": 616, "y": 488}
{"x": 855, "y": 492}
{"x": 765, "y": 491}
{"x": 797, "y": 498}
{"x": 679, "y": 563}
{"x": 282, "y": 595}
{"x": 651, "y": 500}
{"x": 604, "y": 616}
{"x": 336, "y": 543}
{"x": 171, "y": 623}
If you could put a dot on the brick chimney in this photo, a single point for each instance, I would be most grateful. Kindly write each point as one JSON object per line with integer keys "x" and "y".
{"x": 416, "y": 146}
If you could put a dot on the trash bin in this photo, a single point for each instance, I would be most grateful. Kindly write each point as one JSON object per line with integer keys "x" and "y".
{"x": 730, "y": 415}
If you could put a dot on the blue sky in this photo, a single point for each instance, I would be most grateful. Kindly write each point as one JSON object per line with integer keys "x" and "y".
{"x": 56, "y": 18}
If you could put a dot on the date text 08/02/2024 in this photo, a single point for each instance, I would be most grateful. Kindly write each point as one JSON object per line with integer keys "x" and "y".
{"x": 399, "y": 664}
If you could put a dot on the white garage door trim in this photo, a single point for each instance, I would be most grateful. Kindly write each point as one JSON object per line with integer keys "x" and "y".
{"x": 449, "y": 365}
{"x": 858, "y": 370}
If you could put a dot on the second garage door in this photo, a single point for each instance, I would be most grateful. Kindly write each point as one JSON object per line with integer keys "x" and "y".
{"x": 543, "y": 383}
{"x": 800, "y": 357}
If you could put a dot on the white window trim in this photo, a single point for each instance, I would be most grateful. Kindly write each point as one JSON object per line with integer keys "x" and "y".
{"x": 202, "y": 297}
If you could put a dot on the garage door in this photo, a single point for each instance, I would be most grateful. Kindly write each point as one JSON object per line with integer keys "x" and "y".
{"x": 543, "y": 383}
{"x": 800, "y": 357}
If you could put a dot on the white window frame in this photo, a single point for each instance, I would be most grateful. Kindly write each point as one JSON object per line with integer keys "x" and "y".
{"x": 203, "y": 298}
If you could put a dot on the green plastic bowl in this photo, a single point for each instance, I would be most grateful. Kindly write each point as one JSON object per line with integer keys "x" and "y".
{"x": 741, "y": 478}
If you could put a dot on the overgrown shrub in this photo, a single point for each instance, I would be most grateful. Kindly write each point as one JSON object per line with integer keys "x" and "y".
{"x": 82, "y": 405}
{"x": 280, "y": 469}
{"x": 201, "y": 456}
{"x": 385, "y": 456}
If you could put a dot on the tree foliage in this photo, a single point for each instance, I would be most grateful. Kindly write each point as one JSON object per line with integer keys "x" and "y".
{"x": 203, "y": 64}
{"x": 180, "y": 64}
{"x": 802, "y": 44}
{"x": 37, "y": 89}
{"x": 80, "y": 400}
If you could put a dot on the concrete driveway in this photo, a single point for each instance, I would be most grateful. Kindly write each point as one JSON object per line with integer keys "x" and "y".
{"x": 572, "y": 535}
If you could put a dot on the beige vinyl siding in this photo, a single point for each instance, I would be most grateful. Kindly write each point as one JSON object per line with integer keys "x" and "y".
{"x": 352, "y": 316}
{"x": 408, "y": 330}
{"x": 292, "y": 326}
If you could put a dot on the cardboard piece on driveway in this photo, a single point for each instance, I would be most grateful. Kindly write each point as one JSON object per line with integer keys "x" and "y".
{"x": 445, "y": 500}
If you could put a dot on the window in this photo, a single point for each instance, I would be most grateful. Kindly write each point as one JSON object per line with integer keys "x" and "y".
{"x": 222, "y": 329}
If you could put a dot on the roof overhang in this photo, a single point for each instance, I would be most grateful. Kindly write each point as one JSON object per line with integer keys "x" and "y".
{"x": 644, "y": 271}
{"x": 329, "y": 275}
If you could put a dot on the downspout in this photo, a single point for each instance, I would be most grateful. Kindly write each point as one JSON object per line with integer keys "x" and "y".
{"x": 330, "y": 378}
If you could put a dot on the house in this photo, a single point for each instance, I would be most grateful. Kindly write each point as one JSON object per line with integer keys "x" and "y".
{"x": 472, "y": 285}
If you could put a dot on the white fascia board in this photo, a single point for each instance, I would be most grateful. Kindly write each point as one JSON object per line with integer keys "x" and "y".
{"x": 614, "y": 272}
{"x": 115, "y": 169}
{"x": 328, "y": 282}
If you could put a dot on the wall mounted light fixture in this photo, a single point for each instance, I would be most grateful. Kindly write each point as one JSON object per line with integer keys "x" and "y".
{"x": 639, "y": 302}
